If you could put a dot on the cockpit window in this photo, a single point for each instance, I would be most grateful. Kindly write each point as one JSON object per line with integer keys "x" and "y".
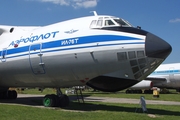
{"x": 123, "y": 23}
{"x": 93, "y": 23}
{"x": 109, "y": 22}
{"x": 99, "y": 22}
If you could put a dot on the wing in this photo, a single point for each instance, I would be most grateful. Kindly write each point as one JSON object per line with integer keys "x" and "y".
{"x": 156, "y": 79}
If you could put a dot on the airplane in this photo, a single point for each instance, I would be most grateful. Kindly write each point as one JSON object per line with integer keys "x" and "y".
{"x": 165, "y": 76}
{"x": 104, "y": 52}
{"x": 144, "y": 86}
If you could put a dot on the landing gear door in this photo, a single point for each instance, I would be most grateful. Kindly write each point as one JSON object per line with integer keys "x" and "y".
{"x": 3, "y": 55}
{"x": 35, "y": 59}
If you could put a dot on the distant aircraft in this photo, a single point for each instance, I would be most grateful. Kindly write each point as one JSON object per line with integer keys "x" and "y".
{"x": 165, "y": 76}
{"x": 104, "y": 52}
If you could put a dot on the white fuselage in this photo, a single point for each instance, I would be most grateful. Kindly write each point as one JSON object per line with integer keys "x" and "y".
{"x": 66, "y": 54}
{"x": 165, "y": 76}
{"x": 171, "y": 73}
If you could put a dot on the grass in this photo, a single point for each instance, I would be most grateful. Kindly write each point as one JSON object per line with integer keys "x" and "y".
{"x": 172, "y": 96}
{"x": 89, "y": 111}
{"x": 93, "y": 110}
{"x": 36, "y": 91}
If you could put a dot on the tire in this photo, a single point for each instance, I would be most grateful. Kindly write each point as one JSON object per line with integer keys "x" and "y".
{"x": 127, "y": 91}
{"x": 10, "y": 94}
{"x": 14, "y": 94}
{"x": 49, "y": 101}
{"x": 56, "y": 100}
{"x": 140, "y": 91}
{"x": 64, "y": 101}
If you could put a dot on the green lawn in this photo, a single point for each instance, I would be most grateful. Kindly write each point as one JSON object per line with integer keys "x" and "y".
{"x": 167, "y": 97}
{"x": 90, "y": 111}
{"x": 94, "y": 110}
{"x": 172, "y": 96}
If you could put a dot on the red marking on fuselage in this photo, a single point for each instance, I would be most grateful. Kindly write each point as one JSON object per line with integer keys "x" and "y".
{"x": 82, "y": 81}
{"x": 86, "y": 78}
{"x": 15, "y": 45}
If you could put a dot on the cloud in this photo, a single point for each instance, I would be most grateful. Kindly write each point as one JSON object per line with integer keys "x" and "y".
{"x": 174, "y": 20}
{"x": 61, "y": 2}
{"x": 84, "y": 3}
{"x": 74, "y": 3}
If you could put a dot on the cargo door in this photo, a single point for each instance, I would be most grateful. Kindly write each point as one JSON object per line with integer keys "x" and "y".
{"x": 36, "y": 59}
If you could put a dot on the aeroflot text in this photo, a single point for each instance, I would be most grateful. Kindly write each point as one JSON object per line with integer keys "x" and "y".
{"x": 34, "y": 38}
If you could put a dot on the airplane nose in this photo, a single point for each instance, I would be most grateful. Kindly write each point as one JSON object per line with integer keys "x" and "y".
{"x": 156, "y": 47}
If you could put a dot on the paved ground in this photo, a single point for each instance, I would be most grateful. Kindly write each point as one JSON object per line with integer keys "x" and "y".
{"x": 132, "y": 101}
{"x": 35, "y": 100}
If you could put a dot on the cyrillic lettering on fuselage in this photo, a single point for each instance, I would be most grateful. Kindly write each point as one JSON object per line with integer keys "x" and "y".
{"x": 70, "y": 41}
{"x": 34, "y": 38}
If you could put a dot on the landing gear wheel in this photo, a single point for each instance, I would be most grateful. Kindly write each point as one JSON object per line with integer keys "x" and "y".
{"x": 64, "y": 101}
{"x": 55, "y": 101}
{"x": 49, "y": 101}
{"x": 12, "y": 94}
{"x": 127, "y": 91}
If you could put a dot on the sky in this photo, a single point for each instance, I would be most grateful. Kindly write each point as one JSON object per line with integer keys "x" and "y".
{"x": 160, "y": 17}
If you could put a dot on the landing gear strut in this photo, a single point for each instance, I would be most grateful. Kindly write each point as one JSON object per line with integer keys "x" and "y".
{"x": 59, "y": 100}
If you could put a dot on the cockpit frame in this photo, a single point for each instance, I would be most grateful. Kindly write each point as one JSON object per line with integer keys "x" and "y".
{"x": 109, "y": 21}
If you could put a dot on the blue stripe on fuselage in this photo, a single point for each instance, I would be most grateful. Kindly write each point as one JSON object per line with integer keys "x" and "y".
{"x": 165, "y": 72}
{"x": 81, "y": 40}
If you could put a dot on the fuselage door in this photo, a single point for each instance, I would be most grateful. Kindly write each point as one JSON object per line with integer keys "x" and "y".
{"x": 3, "y": 55}
{"x": 35, "y": 59}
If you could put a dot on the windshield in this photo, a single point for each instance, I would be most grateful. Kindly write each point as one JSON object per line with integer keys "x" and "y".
{"x": 109, "y": 21}
{"x": 122, "y": 22}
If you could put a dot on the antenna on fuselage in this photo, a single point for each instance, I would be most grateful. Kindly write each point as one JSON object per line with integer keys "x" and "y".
{"x": 95, "y": 13}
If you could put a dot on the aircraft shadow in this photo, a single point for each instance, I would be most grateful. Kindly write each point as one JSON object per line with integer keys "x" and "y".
{"x": 95, "y": 107}
{"x": 35, "y": 101}
{"x": 74, "y": 105}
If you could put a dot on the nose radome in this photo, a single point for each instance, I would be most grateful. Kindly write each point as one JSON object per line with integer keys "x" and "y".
{"x": 156, "y": 47}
